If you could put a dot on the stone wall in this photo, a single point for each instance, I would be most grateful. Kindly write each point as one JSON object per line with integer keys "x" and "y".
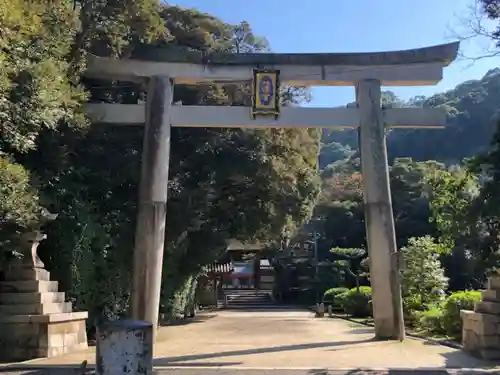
{"x": 49, "y": 336}
{"x": 481, "y": 327}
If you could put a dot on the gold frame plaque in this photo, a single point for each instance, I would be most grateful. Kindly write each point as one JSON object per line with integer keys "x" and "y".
{"x": 265, "y": 93}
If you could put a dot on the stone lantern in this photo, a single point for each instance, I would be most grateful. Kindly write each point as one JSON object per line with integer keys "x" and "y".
{"x": 35, "y": 318}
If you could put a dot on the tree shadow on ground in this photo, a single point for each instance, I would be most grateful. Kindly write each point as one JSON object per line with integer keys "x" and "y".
{"x": 48, "y": 370}
{"x": 275, "y": 349}
{"x": 200, "y": 364}
{"x": 361, "y": 331}
{"x": 362, "y": 371}
{"x": 184, "y": 321}
{"x": 427, "y": 371}
{"x": 462, "y": 359}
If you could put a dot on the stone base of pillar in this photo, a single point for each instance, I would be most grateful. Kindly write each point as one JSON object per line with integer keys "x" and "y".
{"x": 481, "y": 327}
{"x": 35, "y": 319}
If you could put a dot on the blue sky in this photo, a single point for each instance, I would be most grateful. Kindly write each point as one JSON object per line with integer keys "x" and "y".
{"x": 358, "y": 26}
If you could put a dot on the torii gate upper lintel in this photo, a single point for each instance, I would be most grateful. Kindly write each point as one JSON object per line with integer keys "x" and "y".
{"x": 367, "y": 72}
{"x": 442, "y": 53}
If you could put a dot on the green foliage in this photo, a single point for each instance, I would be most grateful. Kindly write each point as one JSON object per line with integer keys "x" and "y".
{"x": 43, "y": 45}
{"x": 445, "y": 319}
{"x": 470, "y": 108}
{"x": 18, "y": 200}
{"x": 341, "y": 206}
{"x": 116, "y": 27}
{"x": 349, "y": 263}
{"x": 35, "y": 89}
{"x": 332, "y": 297}
{"x": 431, "y": 321}
{"x": 333, "y": 152}
{"x": 423, "y": 279}
{"x": 332, "y": 292}
{"x": 19, "y": 206}
{"x": 409, "y": 198}
{"x": 357, "y": 302}
{"x": 224, "y": 183}
{"x": 182, "y": 300}
{"x": 451, "y": 193}
{"x": 463, "y": 300}
{"x": 484, "y": 213}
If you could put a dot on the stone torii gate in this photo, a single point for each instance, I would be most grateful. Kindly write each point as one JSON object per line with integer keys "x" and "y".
{"x": 162, "y": 68}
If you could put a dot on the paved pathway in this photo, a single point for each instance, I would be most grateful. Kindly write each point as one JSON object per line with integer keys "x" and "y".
{"x": 293, "y": 341}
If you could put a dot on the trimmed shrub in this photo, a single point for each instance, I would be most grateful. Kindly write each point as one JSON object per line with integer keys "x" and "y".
{"x": 431, "y": 321}
{"x": 357, "y": 303}
{"x": 463, "y": 300}
{"x": 333, "y": 297}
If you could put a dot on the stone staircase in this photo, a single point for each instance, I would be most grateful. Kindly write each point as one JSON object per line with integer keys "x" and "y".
{"x": 35, "y": 319}
{"x": 248, "y": 299}
{"x": 481, "y": 327}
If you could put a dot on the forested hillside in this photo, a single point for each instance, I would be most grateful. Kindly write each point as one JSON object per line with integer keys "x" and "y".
{"x": 472, "y": 108}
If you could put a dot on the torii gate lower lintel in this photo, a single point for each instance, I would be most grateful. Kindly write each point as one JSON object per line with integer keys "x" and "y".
{"x": 367, "y": 72}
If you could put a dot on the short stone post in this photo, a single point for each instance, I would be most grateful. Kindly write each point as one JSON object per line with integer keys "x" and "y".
{"x": 330, "y": 311}
{"x": 125, "y": 347}
{"x": 320, "y": 310}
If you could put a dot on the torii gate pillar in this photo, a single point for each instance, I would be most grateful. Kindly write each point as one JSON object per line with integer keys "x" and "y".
{"x": 379, "y": 219}
{"x": 152, "y": 207}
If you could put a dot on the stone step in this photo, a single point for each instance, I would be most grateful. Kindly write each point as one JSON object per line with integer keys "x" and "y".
{"x": 487, "y": 307}
{"x": 490, "y": 354}
{"x": 481, "y": 324}
{"x": 36, "y": 309}
{"x": 494, "y": 282}
{"x": 247, "y": 302}
{"x": 243, "y": 291}
{"x": 28, "y": 298}
{"x": 252, "y": 307}
{"x": 490, "y": 295}
{"x": 250, "y": 302}
{"x": 26, "y": 274}
{"x": 44, "y": 319}
{"x": 28, "y": 286}
{"x": 261, "y": 297}
{"x": 484, "y": 342}
{"x": 33, "y": 338}
{"x": 468, "y": 315}
{"x": 247, "y": 294}
{"x": 249, "y": 297}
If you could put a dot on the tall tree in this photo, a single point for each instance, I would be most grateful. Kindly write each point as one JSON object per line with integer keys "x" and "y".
{"x": 35, "y": 89}
{"x": 423, "y": 279}
{"x": 484, "y": 213}
{"x": 224, "y": 183}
